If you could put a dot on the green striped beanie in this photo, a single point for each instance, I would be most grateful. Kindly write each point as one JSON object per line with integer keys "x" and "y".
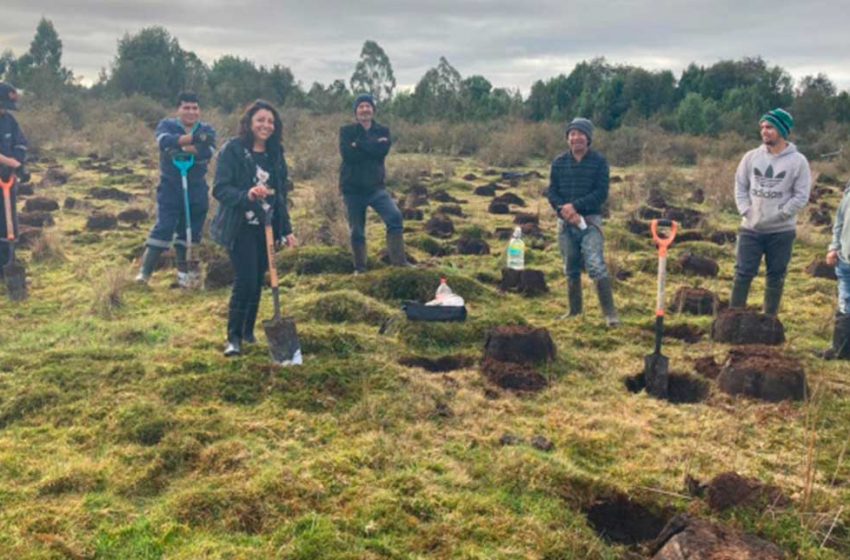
{"x": 781, "y": 121}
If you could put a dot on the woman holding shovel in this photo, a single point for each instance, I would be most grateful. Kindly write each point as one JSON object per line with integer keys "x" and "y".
{"x": 251, "y": 174}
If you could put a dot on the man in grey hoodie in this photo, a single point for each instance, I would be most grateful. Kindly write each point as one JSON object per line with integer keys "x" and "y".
{"x": 772, "y": 186}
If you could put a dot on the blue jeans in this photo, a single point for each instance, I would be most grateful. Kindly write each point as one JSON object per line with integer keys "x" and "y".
{"x": 583, "y": 248}
{"x": 776, "y": 248}
{"x": 382, "y": 203}
{"x": 842, "y": 270}
{"x": 171, "y": 215}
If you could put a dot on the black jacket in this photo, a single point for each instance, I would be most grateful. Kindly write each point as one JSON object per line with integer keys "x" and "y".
{"x": 362, "y": 170}
{"x": 583, "y": 184}
{"x": 234, "y": 177}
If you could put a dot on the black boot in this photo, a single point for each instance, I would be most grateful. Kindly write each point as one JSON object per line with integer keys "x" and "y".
{"x": 149, "y": 260}
{"x": 740, "y": 291}
{"x": 574, "y": 296}
{"x": 773, "y": 296}
{"x": 358, "y": 251}
{"x": 606, "y": 301}
{"x": 840, "y": 339}
{"x": 395, "y": 249}
{"x": 235, "y": 323}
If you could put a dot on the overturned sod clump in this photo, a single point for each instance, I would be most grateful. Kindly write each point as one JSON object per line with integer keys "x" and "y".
{"x": 472, "y": 246}
{"x": 41, "y": 204}
{"x": 101, "y": 221}
{"x": 688, "y": 538}
{"x": 485, "y": 190}
{"x": 520, "y": 345}
{"x": 497, "y": 207}
{"x": 698, "y": 265}
{"x": 723, "y": 237}
{"x": 619, "y": 519}
{"x": 695, "y": 301}
{"x": 133, "y": 216}
{"x": 728, "y": 490}
{"x": 441, "y": 195}
{"x": 440, "y": 226}
{"x": 743, "y": 326}
{"x": 412, "y": 214}
{"x": 440, "y": 364}
{"x": 682, "y": 331}
{"x": 510, "y": 198}
{"x": 682, "y": 388}
{"x": 110, "y": 193}
{"x": 763, "y": 373}
{"x": 819, "y": 269}
{"x": 527, "y": 282}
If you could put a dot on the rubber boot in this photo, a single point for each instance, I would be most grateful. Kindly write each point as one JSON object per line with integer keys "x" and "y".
{"x": 574, "y": 297}
{"x": 773, "y": 296}
{"x": 358, "y": 251}
{"x": 395, "y": 249}
{"x": 180, "y": 253}
{"x": 149, "y": 260}
{"x": 740, "y": 291}
{"x": 840, "y": 339}
{"x": 606, "y": 301}
{"x": 235, "y": 324}
{"x": 248, "y": 326}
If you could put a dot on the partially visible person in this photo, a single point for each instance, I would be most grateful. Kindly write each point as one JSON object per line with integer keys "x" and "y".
{"x": 364, "y": 146}
{"x": 179, "y": 136}
{"x": 772, "y": 186}
{"x": 578, "y": 187}
{"x": 251, "y": 168}
{"x": 13, "y": 155}
{"x": 838, "y": 256}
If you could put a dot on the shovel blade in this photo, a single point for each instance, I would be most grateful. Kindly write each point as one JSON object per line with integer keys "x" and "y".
{"x": 655, "y": 372}
{"x": 282, "y": 337}
{"x": 16, "y": 281}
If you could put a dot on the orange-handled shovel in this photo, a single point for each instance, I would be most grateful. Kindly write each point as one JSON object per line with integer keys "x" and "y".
{"x": 656, "y": 365}
{"x": 13, "y": 272}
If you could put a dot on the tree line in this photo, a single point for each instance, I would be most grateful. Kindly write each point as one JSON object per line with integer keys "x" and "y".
{"x": 726, "y": 96}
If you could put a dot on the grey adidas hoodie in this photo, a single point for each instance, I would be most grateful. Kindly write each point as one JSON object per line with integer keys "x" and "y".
{"x": 770, "y": 190}
{"x": 841, "y": 228}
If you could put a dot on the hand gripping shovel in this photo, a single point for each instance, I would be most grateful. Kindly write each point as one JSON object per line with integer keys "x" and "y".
{"x": 282, "y": 337}
{"x": 184, "y": 162}
{"x": 13, "y": 271}
{"x": 655, "y": 365}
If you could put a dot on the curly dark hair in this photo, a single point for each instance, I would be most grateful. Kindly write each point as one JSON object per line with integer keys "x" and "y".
{"x": 275, "y": 142}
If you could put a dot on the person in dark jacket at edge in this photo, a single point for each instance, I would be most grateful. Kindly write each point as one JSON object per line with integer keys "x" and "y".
{"x": 251, "y": 168}
{"x": 578, "y": 187}
{"x": 183, "y": 134}
{"x": 364, "y": 146}
{"x": 13, "y": 154}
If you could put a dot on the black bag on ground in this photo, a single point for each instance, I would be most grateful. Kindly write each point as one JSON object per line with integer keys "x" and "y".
{"x": 416, "y": 311}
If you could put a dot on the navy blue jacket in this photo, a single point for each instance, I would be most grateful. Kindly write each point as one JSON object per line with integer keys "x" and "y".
{"x": 235, "y": 174}
{"x": 168, "y": 132}
{"x": 583, "y": 184}
{"x": 362, "y": 170}
{"x": 13, "y": 143}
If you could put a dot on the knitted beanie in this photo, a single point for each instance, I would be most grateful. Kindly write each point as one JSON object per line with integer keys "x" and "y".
{"x": 780, "y": 119}
{"x": 582, "y": 125}
{"x": 364, "y": 98}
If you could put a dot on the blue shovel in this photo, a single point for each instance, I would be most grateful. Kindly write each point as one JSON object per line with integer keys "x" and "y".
{"x": 184, "y": 162}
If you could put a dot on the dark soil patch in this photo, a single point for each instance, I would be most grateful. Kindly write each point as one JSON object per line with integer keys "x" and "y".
{"x": 699, "y": 266}
{"x": 523, "y": 218}
{"x": 109, "y": 193}
{"x": 688, "y": 538}
{"x": 472, "y": 246}
{"x": 519, "y": 344}
{"x": 616, "y": 179}
{"x": 509, "y": 439}
{"x": 470, "y": 177}
{"x": 619, "y": 519}
{"x": 35, "y": 219}
{"x": 690, "y": 235}
{"x": 133, "y": 215}
{"x": 820, "y": 217}
{"x": 415, "y": 200}
{"x": 55, "y": 175}
{"x": 509, "y": 198}
{"x": 682, "y": 388}
{"x": 743, "y": 326}
{"x": 438, "y": 365}
{"x": 656, "y": 198}
{"x": 542, "y": 444}
{"x": 723, "y": 237}
{"x": 219, "y": 273}
{"x": 763, "y": 373}
{"x": 531, "y": 230}
{"x": 450, "y": 210}
{"x": 819, "y": 269}
{"x": 443, "y": 196}
{"x": 527, "y": 282}
{"x": 28, "y": 235}
{"x": 707, "y": 367}
{"x": 70, "y": 203}
{"x": 684, "y": 332}
{"x": 695, "y": 301}
{"x": 101, "y": 221}
{"x": 688, "y": 217}
{"x": 513, "y": 376}
{"x": 498, "y": 208}
{"x": 25, "y": 189}
{"x": 41, "y": 204}
{"x": 697, "y": 197}
{"x": 490, "y": 172}
{"x": 485, "y": 190}
{"x": 636, "y": 226}
{"x": 413, "y": 214}
{"x": 503, "y": 233}
{"x": 418, "y": 189}
{"x": 648, "y": 213}
{"x": 729, "y": 489}
{"x": 622, "y": 274}
{"x": 440, "y": 226}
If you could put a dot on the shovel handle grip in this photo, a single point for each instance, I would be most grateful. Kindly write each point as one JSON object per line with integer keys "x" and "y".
{"x": 7, "y": 206}
{"x": 663, "y": 242}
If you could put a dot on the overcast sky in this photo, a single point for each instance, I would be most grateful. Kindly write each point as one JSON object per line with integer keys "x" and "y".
{"x": 511, "y": 43}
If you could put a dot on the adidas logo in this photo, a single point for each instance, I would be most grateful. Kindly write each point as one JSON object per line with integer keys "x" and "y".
{"x": 766, "y": 179}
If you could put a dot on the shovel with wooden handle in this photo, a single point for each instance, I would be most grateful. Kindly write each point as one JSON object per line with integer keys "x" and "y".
{"x": 14, "y": 272}
{"x": 656, "y": 365}
{"x": 184, "y": 162}
{"x": 281, "y": 334}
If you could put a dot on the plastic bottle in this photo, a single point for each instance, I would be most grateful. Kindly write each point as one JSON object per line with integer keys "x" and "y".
{"x": 443, "y": 291}
{"x": 516, "y": 251}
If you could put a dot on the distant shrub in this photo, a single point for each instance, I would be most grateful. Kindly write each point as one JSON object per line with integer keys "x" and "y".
{"x": 141, "y": 107}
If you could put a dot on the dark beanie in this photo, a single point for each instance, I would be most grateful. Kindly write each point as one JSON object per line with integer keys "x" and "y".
{"x": 582, "y": 125}
{"x": 780, "y": 119}
{"x": 364, "y": 98}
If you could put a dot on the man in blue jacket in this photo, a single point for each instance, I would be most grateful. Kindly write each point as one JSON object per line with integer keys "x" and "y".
{"x": 184, "y": 134}
{"x": 578, "y": 187}
{"x": 13, "y": 153}
{"x": 363, "y": 146}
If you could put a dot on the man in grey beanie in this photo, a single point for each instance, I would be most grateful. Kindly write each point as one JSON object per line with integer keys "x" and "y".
{"x": 578, "y": 187}
{"x": 772, "y": 186}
